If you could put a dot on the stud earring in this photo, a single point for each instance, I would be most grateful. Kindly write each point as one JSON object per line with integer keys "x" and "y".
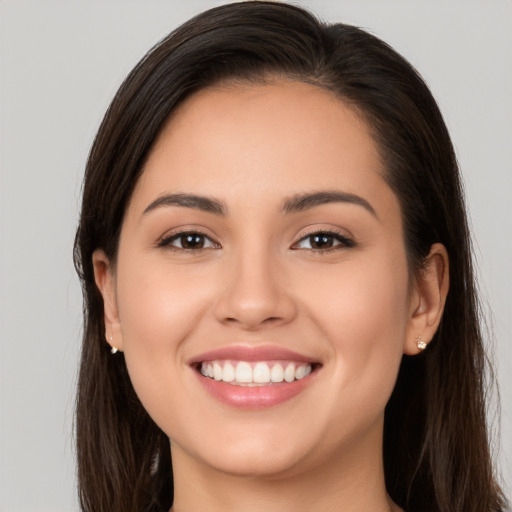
{"x": 113, "y": 350}
{"x": 420, "y": 343}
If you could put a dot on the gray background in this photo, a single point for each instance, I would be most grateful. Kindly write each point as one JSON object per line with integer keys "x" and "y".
{"x": 61, "y": 62}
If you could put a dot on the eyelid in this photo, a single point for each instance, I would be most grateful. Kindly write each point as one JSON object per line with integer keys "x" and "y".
{"x": 165, "y": 241}
{"x": 345, "y": 240}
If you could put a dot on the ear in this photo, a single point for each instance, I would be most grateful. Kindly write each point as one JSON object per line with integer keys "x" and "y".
{"x": 105, "y": 281}
{"x": 428, "y": 299}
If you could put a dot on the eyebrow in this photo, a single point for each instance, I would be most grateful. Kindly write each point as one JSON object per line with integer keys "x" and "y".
{"x": 301, "y": 202}
{"x": 294, "y": 204}
{"x": 206, "y": 204}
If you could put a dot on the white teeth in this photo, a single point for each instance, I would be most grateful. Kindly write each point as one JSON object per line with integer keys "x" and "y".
{"x": 258, "y": 373}
{"x": 300, "y": 372}
{"x": 289, "y": 373}
{"x": 243, "y": 372}
{"x": 228, "y": 374}
{"x": 217, "y": 371}
{"x": 277, "y": 373}
{"x": 261, "y": 373}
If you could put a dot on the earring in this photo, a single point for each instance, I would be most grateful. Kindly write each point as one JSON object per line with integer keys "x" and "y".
{"x": 113, "y": 350}
{"x": 420, "y": 343}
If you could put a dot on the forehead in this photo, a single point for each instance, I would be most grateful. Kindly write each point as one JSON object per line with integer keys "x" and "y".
{"x": 279, "y": 138}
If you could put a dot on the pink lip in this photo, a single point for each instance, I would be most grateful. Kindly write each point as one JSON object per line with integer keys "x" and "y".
{"x": 251, "y": 353}
{"x": 257, "y": 397}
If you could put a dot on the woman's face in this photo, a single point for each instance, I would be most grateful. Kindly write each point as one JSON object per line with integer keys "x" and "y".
{"x": 261, "y": 294}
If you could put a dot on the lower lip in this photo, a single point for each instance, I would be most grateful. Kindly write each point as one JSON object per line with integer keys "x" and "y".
{"x": 256, "y": 397}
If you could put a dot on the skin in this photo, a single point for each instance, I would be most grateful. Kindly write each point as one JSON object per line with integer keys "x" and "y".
{"x": 354, "y": 308}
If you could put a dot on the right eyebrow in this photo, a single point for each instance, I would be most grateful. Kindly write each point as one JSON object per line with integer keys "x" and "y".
{"x": 204, "y": 203}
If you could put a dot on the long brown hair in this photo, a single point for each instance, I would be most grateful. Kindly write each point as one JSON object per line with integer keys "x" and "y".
{"x": 436, "y": 451}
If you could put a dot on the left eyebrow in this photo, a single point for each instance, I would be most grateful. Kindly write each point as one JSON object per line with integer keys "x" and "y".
{"x": 301, "y": 202}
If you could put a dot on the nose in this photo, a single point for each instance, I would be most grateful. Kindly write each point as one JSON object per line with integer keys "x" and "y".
{"x": 254, "y": 293}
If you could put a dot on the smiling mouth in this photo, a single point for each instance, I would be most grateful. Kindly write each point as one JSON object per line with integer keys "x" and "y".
{"x": 255, "y": 373}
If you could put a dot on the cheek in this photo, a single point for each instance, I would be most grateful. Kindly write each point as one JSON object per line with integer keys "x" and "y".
{"x": 158, "y": 310}
{"x": 159, "y": 304}
{"x": 362, "y": 309}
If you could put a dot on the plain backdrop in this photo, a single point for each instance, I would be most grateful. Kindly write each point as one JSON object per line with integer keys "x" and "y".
{"x": 60, "y": 64}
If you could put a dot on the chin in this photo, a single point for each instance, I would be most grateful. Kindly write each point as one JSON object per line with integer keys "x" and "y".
{"x": 260, "y": 454}
{"x": 250, "y": 464}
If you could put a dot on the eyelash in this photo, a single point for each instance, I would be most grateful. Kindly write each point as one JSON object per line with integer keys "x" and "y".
{"x": 343, "y": 241}
{"x": 167, "y": 241}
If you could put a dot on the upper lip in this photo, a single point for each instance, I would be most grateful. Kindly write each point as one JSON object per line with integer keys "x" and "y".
{"x": 252, "y": 353}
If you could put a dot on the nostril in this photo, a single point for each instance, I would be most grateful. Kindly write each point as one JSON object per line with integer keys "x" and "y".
{"x": 272, "y": 319}
{"x": 251, "y": 323}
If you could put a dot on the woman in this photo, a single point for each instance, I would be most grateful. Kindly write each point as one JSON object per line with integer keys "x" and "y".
{"x": 272, "y": 219}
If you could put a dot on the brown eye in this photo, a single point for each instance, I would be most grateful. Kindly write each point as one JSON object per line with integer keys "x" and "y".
{"x": 323, "y": 241}
{"x": 192, "y": 241}
{"x": 189, "y": 241}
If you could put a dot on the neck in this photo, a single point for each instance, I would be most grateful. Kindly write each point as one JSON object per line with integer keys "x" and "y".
{"x": 352, "y": 482}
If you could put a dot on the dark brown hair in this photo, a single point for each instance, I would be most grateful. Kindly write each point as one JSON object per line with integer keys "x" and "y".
{"x": 436, "y": 451}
